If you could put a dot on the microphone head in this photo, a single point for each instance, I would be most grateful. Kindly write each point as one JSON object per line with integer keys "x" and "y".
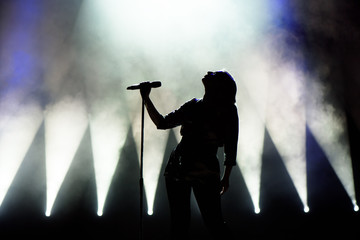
{"x": 155, "y": 84}
{"x": 133, "y": 87}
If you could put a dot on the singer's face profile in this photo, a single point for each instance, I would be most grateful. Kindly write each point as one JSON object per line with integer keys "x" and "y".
{"x": 209, "y": 80}
{"x": 208, "y": 76}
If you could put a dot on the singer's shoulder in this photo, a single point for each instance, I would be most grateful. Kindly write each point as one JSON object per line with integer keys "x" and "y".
{"x": 190, "y": 105}
{"x": 192, "y": 102}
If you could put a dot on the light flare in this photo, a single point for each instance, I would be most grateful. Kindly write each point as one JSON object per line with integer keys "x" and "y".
{"x": 251, "y": 101}
{"x": 328, "y": 125}
{"x": 286, "y": 123}
{"x": 108, "y": 134}
{"x": 65, "y": 125}
{"x": 16, "y": 135}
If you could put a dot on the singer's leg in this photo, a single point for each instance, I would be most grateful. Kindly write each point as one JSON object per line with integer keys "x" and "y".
{"x": 207, "y": 194}
{"x": 179, "y": 202}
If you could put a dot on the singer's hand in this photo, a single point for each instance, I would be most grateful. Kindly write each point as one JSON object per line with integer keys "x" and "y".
{"x": 145, "y": 92}
{"x": 224, "y": 186}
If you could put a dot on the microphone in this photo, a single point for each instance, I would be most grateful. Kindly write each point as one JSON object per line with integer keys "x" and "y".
{"x": 141, "y": 85}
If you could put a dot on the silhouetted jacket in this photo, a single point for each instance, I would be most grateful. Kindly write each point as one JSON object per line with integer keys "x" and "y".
{"x": 204, "y": 128}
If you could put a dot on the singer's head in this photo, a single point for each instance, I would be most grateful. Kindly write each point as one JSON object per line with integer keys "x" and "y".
{"x": 220, "y": 87}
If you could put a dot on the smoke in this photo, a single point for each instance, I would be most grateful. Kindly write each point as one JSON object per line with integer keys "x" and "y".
{"x": 171, "y": 42}
{"x": 15, "y": 140}
{"x": 331, "y": 46}
{"x": 306, "y": 53}
{"x": 332, "y": 35}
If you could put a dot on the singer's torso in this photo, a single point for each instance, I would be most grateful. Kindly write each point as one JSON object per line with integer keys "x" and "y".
{"x": 204, "y": 128}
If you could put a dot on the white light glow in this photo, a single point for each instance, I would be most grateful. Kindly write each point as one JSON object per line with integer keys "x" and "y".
{"x": 16, "y": 135}
{"x": 356, "y": 207}
{"x": 156, "y": 34}
{"x": 328, "y": 125}
{"x": 108, "y": 134}
{"x": 306, "y": 209}
{"x": 257, "y": 210}
{"x": 99, "y": 212}
{"x": 251, "y": 101}
{"x": 65, "y": 125}
{"x": 286, "y": 123}
{"x": 163, "y": 23}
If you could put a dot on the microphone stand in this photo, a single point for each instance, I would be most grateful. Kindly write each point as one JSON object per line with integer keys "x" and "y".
{"x": 154, "y": 84}
{"x": 141, "y": 180}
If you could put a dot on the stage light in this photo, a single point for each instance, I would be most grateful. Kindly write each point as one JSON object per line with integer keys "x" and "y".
{"x": 20, "y": 115}
{"x": 250, "y": 144}
{"x": 356, "y": 207}
{"x": 65, "y": 125}
{"x": 17, "y": 132}
{"x": 257, "y": 210}
{"x": 306, "y": 209}
{"x": 328, "y": 125}
{"x": 99, "y": 212}
{"x": 286, "y": 123}
{"x": 153, "y": 158}
{"x": 252, "y": 100}
{"x": 108, "y": 134}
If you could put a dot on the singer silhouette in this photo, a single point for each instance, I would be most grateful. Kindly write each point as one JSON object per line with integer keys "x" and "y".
{"x": 206, "y": 124}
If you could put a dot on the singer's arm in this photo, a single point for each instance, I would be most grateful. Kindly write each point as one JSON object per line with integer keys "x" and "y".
{"x": 154, "y": 114}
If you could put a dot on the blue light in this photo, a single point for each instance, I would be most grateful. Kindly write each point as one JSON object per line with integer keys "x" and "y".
{"x": 20, "y": 42}
{"x": 282, "y": 13}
